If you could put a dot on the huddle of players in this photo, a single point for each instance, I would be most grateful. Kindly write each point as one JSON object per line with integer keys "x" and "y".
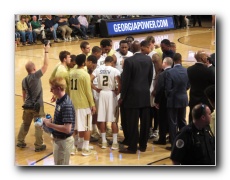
{"x": 94, "y": 85}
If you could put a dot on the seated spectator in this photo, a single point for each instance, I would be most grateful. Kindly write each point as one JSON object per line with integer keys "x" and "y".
{"x": 17, "y": 37}
{"x": 63, "y": 26}
{"x": 24, "y": 30}
{"x": 75, "y": 25}
{"x": 37, "y": 28}
{"x": 28, "y": 22}
{"x": 88, "y": 27}
{"x": 51, "y": 26}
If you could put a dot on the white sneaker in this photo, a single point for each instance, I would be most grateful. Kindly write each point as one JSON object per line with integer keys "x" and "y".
{"x": 104, "y": 145}
{"x": 65, "y": 39}
{"x": 70, "y": 39}
{"x": 73, "y": 152}
{"x": 86, "y": 152}
{"x": 114, "y": 146}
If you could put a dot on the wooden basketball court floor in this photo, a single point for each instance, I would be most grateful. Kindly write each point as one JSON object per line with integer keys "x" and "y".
{"x": 188, "y": 41}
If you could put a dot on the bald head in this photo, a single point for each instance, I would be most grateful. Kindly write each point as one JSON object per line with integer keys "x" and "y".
{"x": 201, "y": 56}
{"x": 30, "y": 67}
{"x": 135, "y": 47}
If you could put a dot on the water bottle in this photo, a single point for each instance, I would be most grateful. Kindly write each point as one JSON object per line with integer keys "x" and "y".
{"x": 45, "y": 128}
{"x": 38, "y": 122}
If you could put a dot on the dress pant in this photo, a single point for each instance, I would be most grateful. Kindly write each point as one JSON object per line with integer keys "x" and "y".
{"x": 124, "y": 123}
{"x": 176, "y": 120}
{"x": 132, "y": 116}
{"x": 163, "y": 122}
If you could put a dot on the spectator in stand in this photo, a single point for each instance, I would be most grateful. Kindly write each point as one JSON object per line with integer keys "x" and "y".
{"x": 37, "y": 28}
{"x": 51, "y": 26}
{"x": 88, "y": 27}
{"x": 75, "y": 25}
{"x": 196, "y": 18}
{"x": 63, "y": 26}
{"x": 24, "y": 30}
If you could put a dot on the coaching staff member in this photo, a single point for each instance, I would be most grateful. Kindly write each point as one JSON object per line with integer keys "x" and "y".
{"x": 135, "y": 97}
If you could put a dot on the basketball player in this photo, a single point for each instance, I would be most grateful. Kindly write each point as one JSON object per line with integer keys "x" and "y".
{"x": 107, "y": 78}
{"x": 81, "y": 95}
{"x": 122, "y": 54}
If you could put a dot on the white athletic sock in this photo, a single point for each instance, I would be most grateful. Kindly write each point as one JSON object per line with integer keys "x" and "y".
{"x": 115, "y": 138}
{"x": 103, "y": 136}
{"x": 86, "y": 145}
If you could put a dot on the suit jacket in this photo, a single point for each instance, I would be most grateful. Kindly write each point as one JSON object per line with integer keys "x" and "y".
{"x": 136, "y": 80}
{"x": 212, "y": 68}
{"x": 200, "y": 77}
{"x": 177, "y": 84}
{"x": 160, "y": 97}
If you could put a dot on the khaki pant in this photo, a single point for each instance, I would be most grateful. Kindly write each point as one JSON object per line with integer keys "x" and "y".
{"x": 65, "y": 31}
{"x": 62, "y": 149}
{"x": 27, "y": 117}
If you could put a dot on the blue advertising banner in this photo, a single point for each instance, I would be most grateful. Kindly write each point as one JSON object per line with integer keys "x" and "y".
{"x": 139, "y": 25}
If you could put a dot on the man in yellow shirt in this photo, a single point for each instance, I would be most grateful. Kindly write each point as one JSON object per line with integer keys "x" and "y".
{"x": 24, "y": 30}
{"x": 82, "y": 98}
{"x": 61, "y": 70}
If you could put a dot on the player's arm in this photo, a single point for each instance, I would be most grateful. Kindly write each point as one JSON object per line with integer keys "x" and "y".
{"x": 114, "y": 60}
{"x": 92, "y": 77}
{"x": 118, "y": 90}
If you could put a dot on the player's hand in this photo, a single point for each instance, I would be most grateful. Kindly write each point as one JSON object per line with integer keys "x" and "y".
{"x": 157, "y": 106}
{"x": 93, "y": 110}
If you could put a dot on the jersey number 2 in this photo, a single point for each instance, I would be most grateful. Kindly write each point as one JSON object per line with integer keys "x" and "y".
{"x": 105, "y": 81}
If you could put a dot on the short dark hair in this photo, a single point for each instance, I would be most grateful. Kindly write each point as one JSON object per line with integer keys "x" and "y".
{"x": 123, "y": 41}
{"x": 80, "y": 59}
{"x": 84, "y": 44}
{"x": 129, "y": 37}
{"x": 144, "y": 43}
{"x": 177, "y": 57}
{"x": 63, "y": 54}
{"x": 96, "y": 49}
{"x": 108, "y": 59}
{"x": 198, "y": 111}
{"x": 73, "y": 57}
{"x": 166, "y": 42}
{"x": 92, "y": 58}
{"x": 105, "y": 42}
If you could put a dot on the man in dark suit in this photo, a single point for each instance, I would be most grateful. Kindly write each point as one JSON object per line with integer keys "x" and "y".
{"x": 135, "y": 97}
{"x": 200, "y": 77}
{"x": 176, "y": 86}
{"x": 161, "y": 101}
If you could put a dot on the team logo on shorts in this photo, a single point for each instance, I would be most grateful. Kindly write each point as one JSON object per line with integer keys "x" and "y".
{"x": 179, "y": 143}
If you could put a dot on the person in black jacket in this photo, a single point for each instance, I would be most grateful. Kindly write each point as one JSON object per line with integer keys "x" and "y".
{"x": 135, "y": 97}
{"x": 195, "y": 143}
{"x": 200, "y": 77}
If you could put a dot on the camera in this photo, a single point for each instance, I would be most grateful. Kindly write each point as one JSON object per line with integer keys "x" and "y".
{"x": 46, "y": 42}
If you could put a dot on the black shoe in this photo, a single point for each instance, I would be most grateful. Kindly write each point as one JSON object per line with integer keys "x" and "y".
{"x": 168, "y": 148}
{"x": 21, "y": 145}
{"x": 123, "y": 142}
{"x": 159, "y": 142}
{"x": 93, "y": 139}
{"x": 42, "y": 148}
{"x": 142, "y": 149}
{"x": 126, "y": 151}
